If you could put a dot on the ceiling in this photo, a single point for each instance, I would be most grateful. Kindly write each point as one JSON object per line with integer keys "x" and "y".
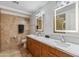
{"x": 25, "y": 6}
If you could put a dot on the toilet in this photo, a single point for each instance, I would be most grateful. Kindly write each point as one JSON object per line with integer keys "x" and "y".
{"x": 24, "y": 42}
{"x": 21, "y": 42}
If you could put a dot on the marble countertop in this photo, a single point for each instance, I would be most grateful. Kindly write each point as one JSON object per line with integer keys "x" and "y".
{"x": 72, "y": 49}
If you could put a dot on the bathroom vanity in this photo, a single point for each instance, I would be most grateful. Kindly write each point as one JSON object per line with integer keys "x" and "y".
{"x": 46, "y": 47}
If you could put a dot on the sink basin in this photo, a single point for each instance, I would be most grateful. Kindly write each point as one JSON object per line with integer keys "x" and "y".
{"x": 63, "y": 44}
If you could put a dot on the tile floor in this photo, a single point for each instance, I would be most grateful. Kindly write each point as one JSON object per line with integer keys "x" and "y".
{"x": 25, "y": 53}
{"x": 15, "y": 53}
{"x": 18, "y": 52}
{"x": 10, "y": 53}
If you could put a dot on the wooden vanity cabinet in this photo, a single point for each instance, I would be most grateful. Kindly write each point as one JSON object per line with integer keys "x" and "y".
{"x": 33, "y": 47}
{"x": 38, "y": 49}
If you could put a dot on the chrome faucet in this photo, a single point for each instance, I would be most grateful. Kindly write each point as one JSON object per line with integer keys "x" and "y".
{"x": 39, "y": 34}
{"x": 62, "y": 38}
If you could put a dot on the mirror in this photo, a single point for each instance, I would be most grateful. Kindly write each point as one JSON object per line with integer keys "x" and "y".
{"x": 66, "y": 18}
{"x": 39, "y": 22}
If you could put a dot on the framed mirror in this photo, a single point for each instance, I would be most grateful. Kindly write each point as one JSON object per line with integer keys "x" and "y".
{"x": 39, "y": 23}
{"x": 66, "y": 18}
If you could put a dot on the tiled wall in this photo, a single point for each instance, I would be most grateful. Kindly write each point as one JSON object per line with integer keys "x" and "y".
{"x": 9, "y": 29}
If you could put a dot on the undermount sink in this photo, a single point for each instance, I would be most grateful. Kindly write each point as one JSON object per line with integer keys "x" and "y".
{"x": 58, "y": 42}
{"x": 63, "y": 44}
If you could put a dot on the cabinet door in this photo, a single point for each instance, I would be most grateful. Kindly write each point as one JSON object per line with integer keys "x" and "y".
{"x": 36, "y": 50}
{"x": 0, "y": 29}
{"x": 44, "y": 50}
{"x": 29, "y": 44}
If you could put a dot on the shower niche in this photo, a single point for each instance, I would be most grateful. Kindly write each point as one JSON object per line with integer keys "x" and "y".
{"x": 20, "y": 28}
